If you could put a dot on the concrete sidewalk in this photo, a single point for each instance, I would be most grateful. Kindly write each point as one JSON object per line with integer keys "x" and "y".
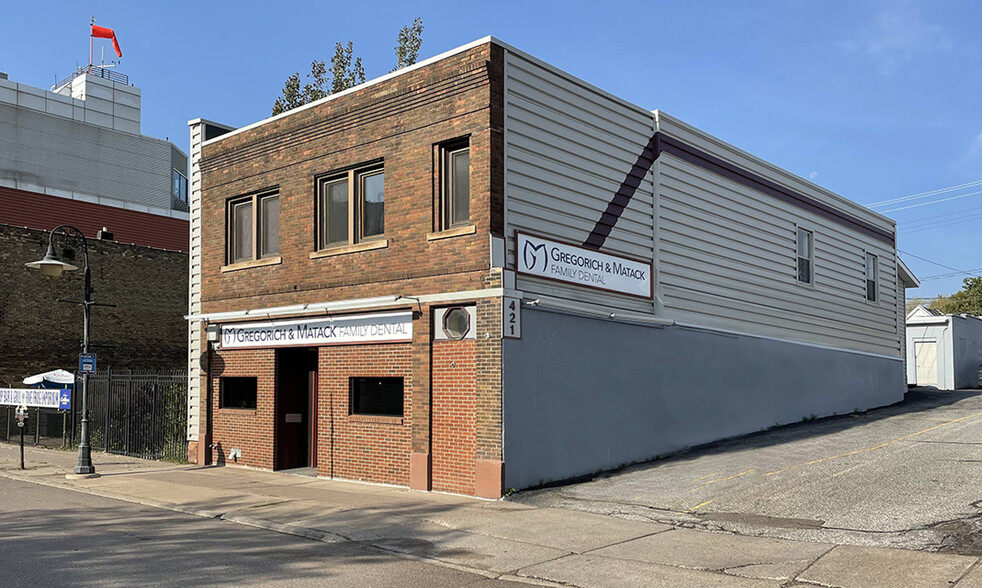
{"x": 503, "y": 540}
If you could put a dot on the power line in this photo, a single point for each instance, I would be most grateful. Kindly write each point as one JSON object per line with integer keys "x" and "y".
{"x": 924, "y": 194}
{"x": 951, "y": 275}
{"x": 933, "y": 202}
{"x": 939, "y": 224}
{"x": 938, "y": 216}
{"x": 930, "y": 261}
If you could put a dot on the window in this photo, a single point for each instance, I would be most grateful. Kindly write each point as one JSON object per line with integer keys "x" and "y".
{"x": 253, "y": 236}
{"x": 351, "y": 207}
{"x": 806, "y": 254}
{"x": 871, "y": 276}
{"x": 238, "y": 393}
{"x": 376, "y": 396}
{"x": 179, "y": 189}
{"x": 456, "y": 323}
{"x": 455, "y": 186}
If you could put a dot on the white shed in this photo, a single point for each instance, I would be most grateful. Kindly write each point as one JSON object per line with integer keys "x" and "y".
{"x": 943, "y": 350}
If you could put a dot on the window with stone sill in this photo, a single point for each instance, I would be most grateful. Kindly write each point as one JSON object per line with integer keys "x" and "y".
{"x": 253, "y": 227}
{"x": 351, "y": 207}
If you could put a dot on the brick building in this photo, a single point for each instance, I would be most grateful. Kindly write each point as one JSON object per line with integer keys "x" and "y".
{"x": 480, "y": 272}
{"x": 74, "y": 155}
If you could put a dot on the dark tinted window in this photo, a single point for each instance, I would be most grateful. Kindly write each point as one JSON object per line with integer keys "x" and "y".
{"x": 238, "y": 392}
{"x": 376, "y": 396}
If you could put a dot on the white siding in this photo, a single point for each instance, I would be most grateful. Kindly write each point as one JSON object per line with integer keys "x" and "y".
{"x": 194, "y": 283}
{"x": 724, "y": 253}
{"x": 728, "y": 256}
{"x": 568, "y": 148}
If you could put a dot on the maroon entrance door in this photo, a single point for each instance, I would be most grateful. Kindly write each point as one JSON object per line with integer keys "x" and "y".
{"x": 296, "y": 377}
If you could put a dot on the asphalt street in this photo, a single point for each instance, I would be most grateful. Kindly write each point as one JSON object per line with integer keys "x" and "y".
{"x": 54, "y": 537}
{"x": 905, "y": 476}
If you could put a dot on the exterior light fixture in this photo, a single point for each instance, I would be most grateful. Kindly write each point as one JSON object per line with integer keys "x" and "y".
{"x": 52, "y": 268}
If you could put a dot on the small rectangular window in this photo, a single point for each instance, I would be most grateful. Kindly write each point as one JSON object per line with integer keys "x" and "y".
{"x": 806, "y": 255}
{"x": 872, "y": 270}
{"x": 455, "y": 188}
{"x": 241, "y": 231}
{"x": 333, "y": 207}
{"x": 376, "y": 396}
{"x": 346, "y": 220}
{"x": 270, "y": 218}
{"x": 251, "y": 237}
{"x": 371, "y": 200}
{"x": 238, "y": 393}
{"x": 179, "y": 189}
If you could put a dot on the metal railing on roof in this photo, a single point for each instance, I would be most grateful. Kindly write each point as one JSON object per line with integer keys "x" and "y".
{"x": 97, "y": 71}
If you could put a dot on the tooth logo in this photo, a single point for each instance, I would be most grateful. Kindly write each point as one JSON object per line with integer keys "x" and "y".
{"x": 533, "y": 253}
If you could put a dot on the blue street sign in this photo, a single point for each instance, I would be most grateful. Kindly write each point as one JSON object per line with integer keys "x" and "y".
{"x": 64, "y": 399}
{"x": 86, "y": 363}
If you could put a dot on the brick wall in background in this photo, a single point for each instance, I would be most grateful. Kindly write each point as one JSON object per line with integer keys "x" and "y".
{"x": 146, "y": 329}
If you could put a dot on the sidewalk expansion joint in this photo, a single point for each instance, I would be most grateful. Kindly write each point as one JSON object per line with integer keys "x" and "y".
{"x": 628, "y": 540}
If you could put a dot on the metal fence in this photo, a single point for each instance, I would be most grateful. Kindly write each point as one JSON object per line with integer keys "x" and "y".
{"x": 135, "y": 413}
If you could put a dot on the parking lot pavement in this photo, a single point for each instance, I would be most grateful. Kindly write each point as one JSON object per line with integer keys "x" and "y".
{"x": 906, "y": 475}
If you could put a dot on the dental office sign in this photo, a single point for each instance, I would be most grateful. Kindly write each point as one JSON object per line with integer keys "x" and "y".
{"x": 553, "y": 260}
{"x": 343, "y": 330}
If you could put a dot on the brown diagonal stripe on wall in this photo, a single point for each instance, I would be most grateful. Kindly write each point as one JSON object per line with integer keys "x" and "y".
{"x": 658, "y": 144}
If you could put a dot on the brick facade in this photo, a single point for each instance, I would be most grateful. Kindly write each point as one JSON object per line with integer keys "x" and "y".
{"x": 449, "y": 436}
{"x": 145, "y": 330}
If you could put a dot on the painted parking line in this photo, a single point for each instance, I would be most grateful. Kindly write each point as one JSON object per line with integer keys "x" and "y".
{"x": 696, "y": 507}
{"x": 874, "y": 448}
{"x": 721, "y": 480}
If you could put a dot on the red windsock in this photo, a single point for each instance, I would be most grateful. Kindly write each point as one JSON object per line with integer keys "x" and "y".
{"x": 104, "y": 33}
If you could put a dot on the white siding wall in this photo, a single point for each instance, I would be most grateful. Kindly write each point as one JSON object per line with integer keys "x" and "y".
{"x": 194, "y": 283}
{"x": 724, "y": 253}
{"x": 568, "y": 147}
{"x": 728, "y": 256}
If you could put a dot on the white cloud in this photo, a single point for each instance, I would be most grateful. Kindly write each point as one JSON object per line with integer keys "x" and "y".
{"x": 813, "y": 176}
{"x": 970, "y": 163}
{"x": 896, "y": 34}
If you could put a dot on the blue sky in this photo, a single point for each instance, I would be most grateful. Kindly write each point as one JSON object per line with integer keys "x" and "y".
{"x": 873, "y": 100}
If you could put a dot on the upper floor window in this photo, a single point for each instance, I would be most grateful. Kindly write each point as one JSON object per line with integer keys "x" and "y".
{"x": 179, "y": 186}
{"x": 806, "y": 256}
{"x": 253, "y": 227}
{"x": 872, "y": 277}
{"x": 350, "y": 207}
{"x": 455, "y": 187}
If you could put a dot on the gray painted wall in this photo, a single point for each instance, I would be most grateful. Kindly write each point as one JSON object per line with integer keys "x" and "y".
{"x": 584, "y": 394}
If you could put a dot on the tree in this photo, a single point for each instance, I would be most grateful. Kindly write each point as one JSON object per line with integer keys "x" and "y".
{"x": 410, "y": 40}
{"x": 345, "y": 73}
{"x": 346, "y": 70}
{"x": 968, "y": 300}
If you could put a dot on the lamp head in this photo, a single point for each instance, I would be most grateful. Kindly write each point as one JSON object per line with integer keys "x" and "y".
{"x": 51, "y": 267}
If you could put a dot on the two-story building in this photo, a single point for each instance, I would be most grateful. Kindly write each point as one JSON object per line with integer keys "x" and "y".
{"x": 481, "y": 272}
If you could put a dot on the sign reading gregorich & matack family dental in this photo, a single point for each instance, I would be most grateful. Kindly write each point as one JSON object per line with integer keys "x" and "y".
{"x": 545, "y": 258}
{"x": 384, "y": 327}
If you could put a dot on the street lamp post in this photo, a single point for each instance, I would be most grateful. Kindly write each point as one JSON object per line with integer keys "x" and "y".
{"x": 52, "y": 267}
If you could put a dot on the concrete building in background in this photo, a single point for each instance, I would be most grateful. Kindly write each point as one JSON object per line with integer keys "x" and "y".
{"x": 481, "y": 273}
{"x": 76, "y": 152}
{"x": 943, "y": 350}
{"x": 74, "y": 155}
